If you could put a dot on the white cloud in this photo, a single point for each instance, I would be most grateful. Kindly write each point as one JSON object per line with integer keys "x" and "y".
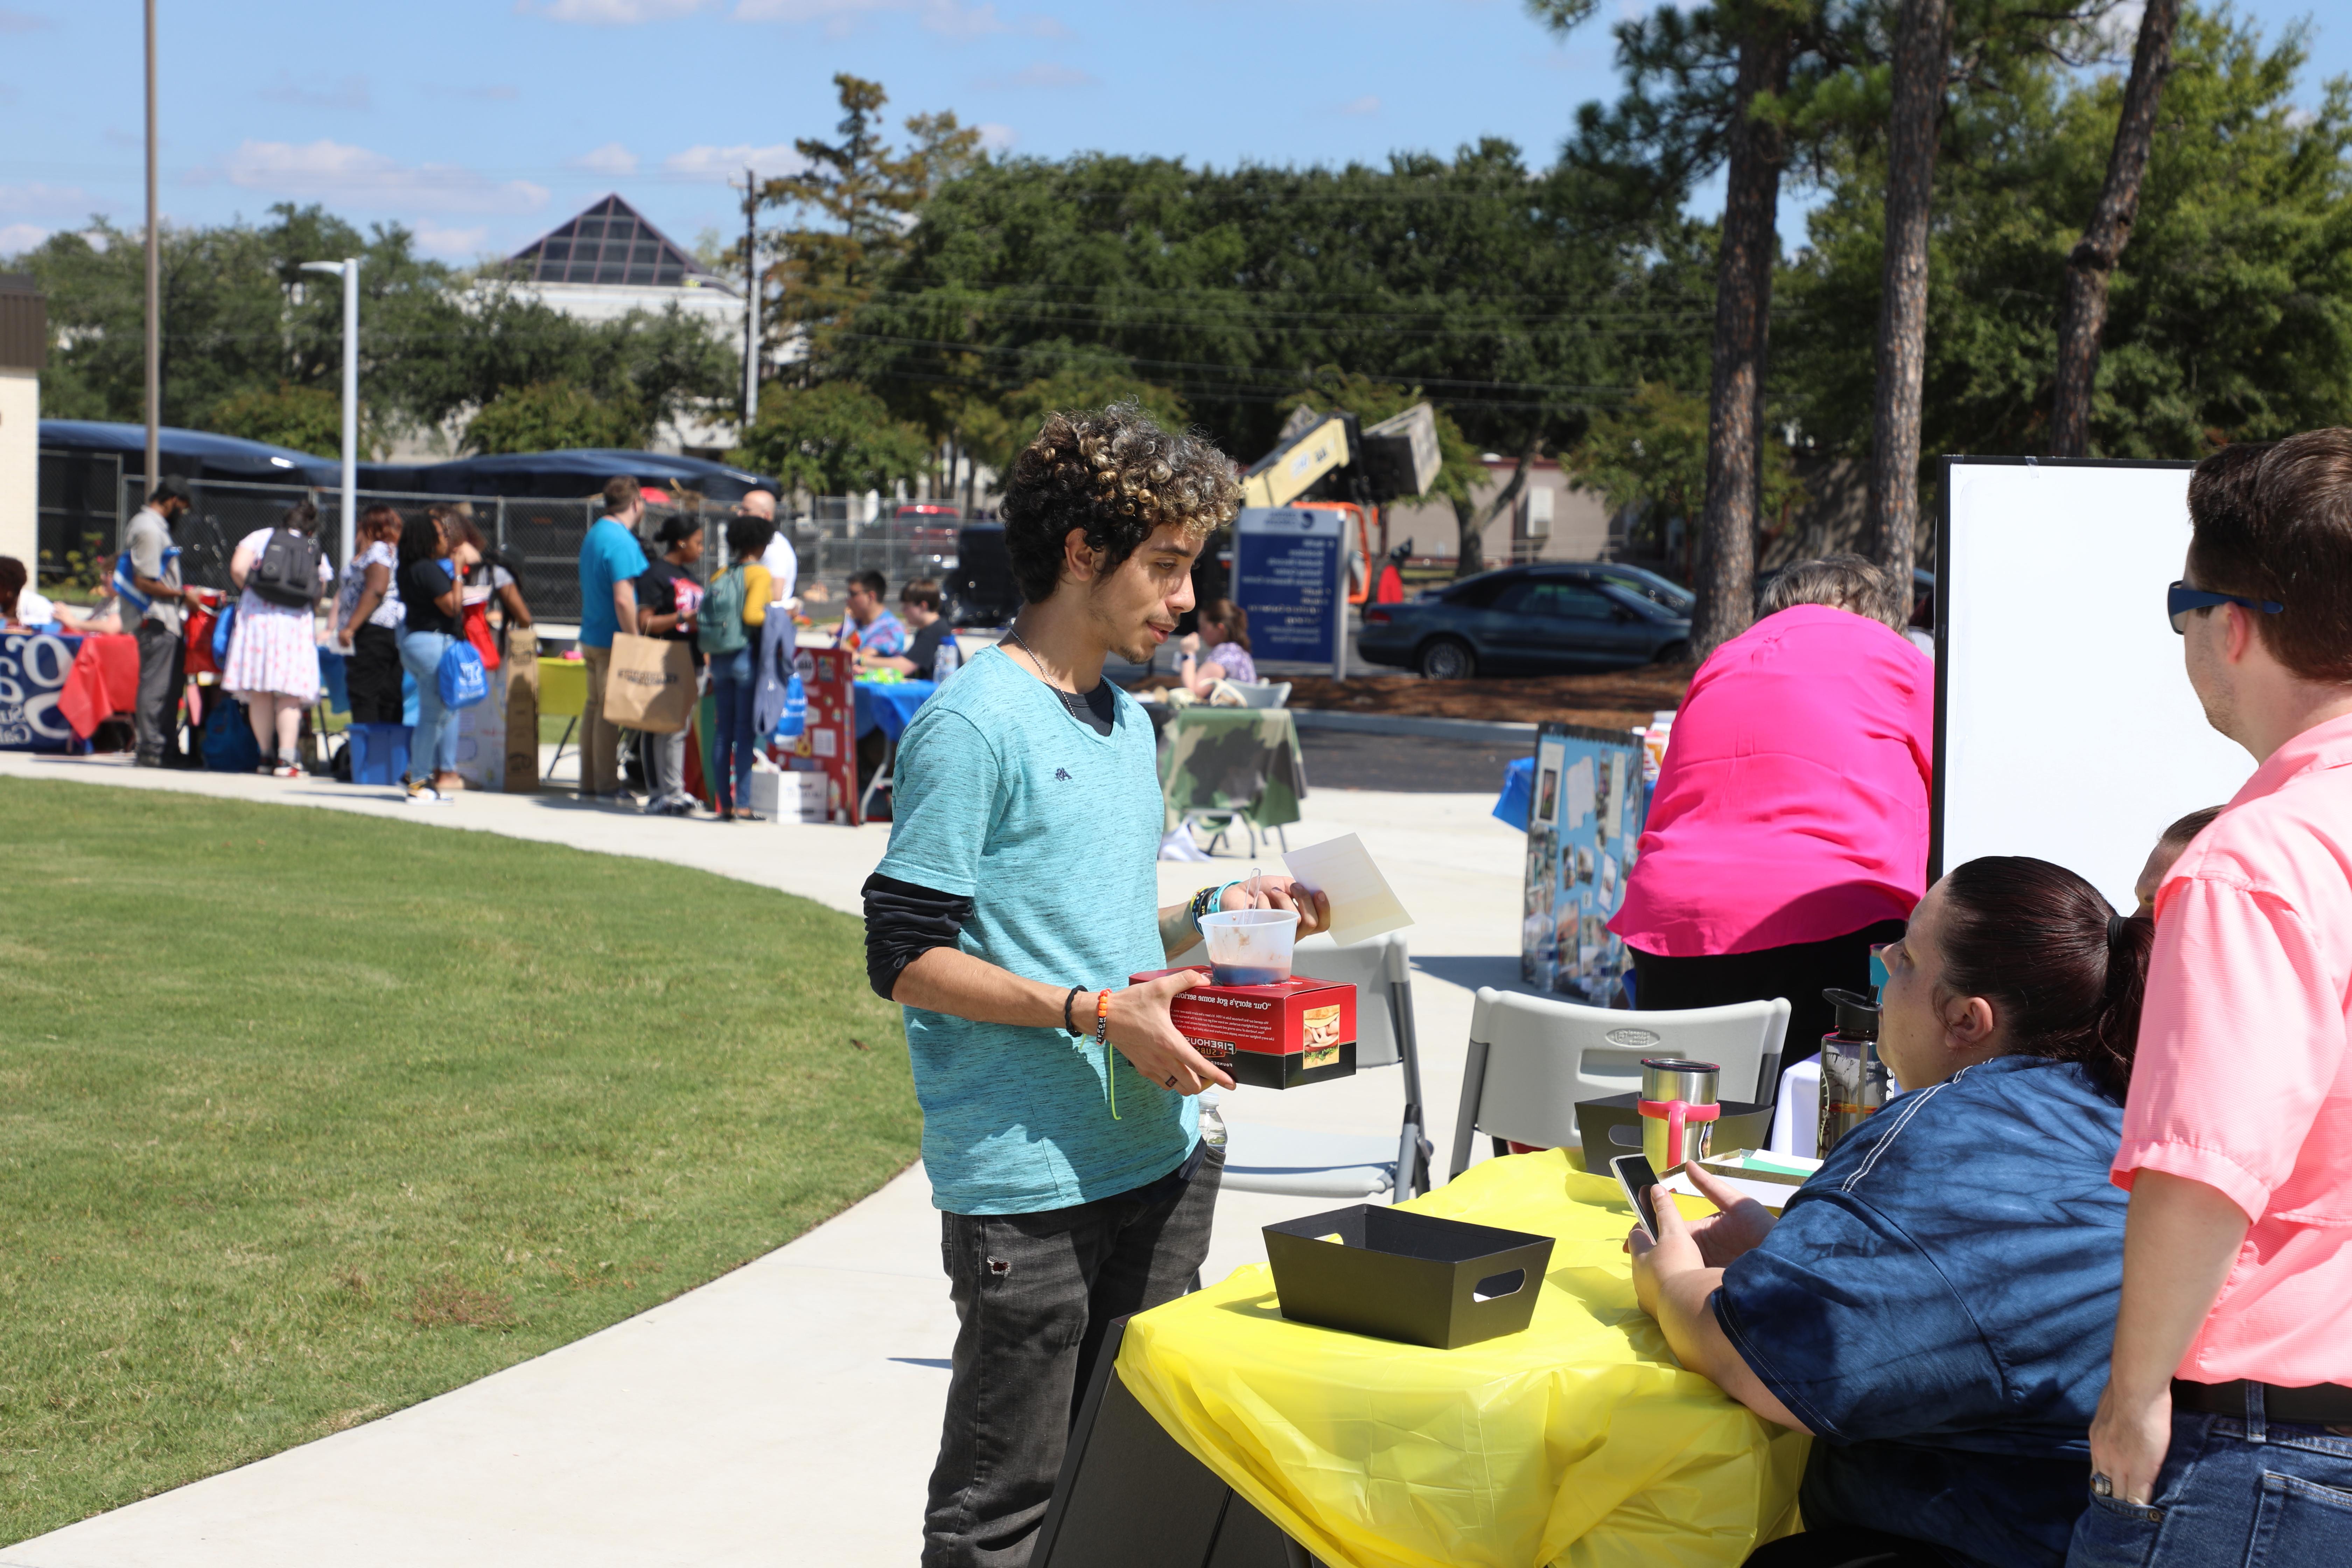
{"x": 17, "y": 237}
{"x": 336, "y": 171}
{"x": 1044, "y": 73}
{"x": 708, "y": 163}
{"x": 997, "y": 138}
{"x": 456, "y": 243}
{"x": 610, "y": 13}
{"x": 611, "y": 159}
{"x": 1368, "y": 104}
{"x": 38, "y": 200}
{"x": 810, "y": 10}
{"x": 350, "y": 92}
{"x": 951, "y": 17}
{"x": 14, "y": 21}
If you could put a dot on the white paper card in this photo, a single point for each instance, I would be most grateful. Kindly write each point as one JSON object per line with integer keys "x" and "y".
{"x": 1362, "y": 904}
{"x": 1580, "y": 793}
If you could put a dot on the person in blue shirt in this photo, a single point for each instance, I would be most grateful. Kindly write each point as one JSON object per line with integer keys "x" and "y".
{"x": 1020, "y": 892}
{"x": 1937, "y": 1304}
{"x": 611, "y": 561}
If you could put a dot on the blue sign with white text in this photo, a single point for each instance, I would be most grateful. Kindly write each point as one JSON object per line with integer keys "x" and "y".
{"x": 33, "y": 671}
{"x": 1287, "y": 566}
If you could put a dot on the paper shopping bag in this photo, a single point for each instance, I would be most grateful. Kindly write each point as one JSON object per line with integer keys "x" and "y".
{"x": 650, "y": 684}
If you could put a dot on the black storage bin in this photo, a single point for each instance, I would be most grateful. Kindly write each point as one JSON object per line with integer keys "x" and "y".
{"x": 1414, "y": 1278}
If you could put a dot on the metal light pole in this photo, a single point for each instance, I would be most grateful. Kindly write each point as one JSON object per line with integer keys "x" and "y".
{"x": 751, "y": 299}
{"x": 155, "y": 285}
{"x": 349, "y": 270}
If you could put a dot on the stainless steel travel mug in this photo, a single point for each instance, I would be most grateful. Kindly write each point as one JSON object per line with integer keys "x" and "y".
{"x": 1673, "y": 1091}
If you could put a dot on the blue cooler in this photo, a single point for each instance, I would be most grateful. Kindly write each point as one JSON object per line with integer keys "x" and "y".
{"x": 378, "y": 753}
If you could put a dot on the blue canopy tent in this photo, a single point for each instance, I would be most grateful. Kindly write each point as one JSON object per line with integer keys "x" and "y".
{"x": 190, "y": 454}
{"x": 566, "y": 475}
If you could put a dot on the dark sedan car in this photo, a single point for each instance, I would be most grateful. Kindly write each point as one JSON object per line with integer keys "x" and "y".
{"x": 1548, "y": 619}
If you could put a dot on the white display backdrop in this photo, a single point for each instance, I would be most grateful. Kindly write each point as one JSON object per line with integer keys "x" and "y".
{"x": 2066, "y": 725}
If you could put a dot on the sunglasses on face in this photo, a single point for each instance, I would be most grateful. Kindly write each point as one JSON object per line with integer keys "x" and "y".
{"x": 2181, "y": 599}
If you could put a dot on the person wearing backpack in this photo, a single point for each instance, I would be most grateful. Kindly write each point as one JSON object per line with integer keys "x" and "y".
{"x": 273, "y": 653}
{"x": 729, "y": 627}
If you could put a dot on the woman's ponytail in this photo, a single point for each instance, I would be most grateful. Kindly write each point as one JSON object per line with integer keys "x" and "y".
{"x": 2115, "y": 1033}
{"x": 2065, "y": 972}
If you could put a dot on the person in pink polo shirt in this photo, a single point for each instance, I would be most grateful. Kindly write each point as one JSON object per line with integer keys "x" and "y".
{"x": 1789, "y": 831}
{"x": 2225, "y": 1432}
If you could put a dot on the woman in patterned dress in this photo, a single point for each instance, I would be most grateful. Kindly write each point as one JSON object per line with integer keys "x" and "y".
{"x": 273, "y": 650}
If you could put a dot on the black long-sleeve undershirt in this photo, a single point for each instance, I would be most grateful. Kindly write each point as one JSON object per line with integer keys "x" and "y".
{"x": 903, "y": 921}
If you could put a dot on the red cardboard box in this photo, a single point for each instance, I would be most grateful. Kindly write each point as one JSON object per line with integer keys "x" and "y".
{"x": 1296, "y": 1031}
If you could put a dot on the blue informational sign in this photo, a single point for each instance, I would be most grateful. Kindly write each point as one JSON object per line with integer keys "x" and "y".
{"x": 1585, "y": 813}
{"x": 1287, "y": 576}
{"x": 33, "y": 671}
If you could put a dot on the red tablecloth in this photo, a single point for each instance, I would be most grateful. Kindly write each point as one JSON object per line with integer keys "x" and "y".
{"x": 104, "y": 681}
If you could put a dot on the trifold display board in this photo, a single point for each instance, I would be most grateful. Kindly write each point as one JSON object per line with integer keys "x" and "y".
{"x": 2065, "y": 727}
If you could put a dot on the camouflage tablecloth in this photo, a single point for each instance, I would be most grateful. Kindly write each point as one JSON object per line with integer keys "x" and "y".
{"x": 1243, "y": 761}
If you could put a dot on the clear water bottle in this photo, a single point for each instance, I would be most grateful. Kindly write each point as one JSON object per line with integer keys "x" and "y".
{"x": 947, "y": 661}
{"x": 1212, "y": 1121}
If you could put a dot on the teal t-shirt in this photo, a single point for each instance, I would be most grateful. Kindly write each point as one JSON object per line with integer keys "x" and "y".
{"x": 1053, "y": 832}
{"x": 609, "y": 554}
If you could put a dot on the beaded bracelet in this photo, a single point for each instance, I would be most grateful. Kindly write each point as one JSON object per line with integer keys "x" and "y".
{"x": 1102, "y": 1038}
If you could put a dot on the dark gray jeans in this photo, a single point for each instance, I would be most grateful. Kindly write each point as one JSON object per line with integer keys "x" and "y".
{"x": 1034, "y": 1294}
{"x": 162, "y": 664}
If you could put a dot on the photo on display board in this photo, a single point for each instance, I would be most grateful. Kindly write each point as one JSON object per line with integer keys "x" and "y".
{"x": 1581, "y": 837}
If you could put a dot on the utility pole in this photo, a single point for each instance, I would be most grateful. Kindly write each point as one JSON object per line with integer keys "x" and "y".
{"x": 154, "y": 284}
{"x": 750, "y": 298}
{"x": 349, "y": 270}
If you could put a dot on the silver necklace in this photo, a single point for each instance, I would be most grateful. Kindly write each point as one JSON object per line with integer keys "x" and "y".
{"x": 1073, "y": 701}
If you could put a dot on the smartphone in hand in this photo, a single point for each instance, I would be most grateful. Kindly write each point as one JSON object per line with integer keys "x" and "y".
{"x": 1635, "y": 1174}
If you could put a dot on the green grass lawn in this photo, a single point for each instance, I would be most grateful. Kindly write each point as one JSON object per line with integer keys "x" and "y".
{"x": 305, "y": 1117}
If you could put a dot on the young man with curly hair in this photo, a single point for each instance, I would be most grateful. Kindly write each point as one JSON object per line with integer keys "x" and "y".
{"x": 1059, "y": 1129}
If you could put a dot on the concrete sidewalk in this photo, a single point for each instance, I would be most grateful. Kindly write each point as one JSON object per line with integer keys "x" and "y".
{"x": 787, "y": 1413}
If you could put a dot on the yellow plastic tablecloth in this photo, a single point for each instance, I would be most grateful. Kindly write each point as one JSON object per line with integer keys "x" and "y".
{"x": 1578, "y": 1441}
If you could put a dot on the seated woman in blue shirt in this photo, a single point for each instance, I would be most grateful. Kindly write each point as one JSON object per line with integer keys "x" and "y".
{"x": 1936, "y": 1303}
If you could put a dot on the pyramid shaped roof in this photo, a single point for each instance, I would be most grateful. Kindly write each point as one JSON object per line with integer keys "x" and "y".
{"x": 611, "y": 244}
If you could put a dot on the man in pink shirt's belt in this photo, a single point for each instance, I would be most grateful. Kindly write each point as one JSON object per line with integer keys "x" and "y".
{"x": 2225, "y": 1433}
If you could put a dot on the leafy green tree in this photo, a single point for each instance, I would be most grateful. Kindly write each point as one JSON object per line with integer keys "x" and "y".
{"x": 1519, "y": 300}
{"x": 242, "y": 321}
{"x": 833, "y": 439}
{"x": 1651, "y": 455}
{"x": 856, "y": 196}
{"x": 551, "y": 416}
{"x": 307, "y": 418}
{"x": 2230, "y": 315}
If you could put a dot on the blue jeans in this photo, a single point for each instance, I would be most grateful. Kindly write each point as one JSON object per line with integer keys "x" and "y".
{"x": 733, "y": 680}
{"x": 437, "y": 727}
{"x": 2232, "y": 1491}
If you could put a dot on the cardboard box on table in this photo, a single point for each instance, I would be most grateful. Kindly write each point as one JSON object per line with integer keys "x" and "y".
{"x": 1284, "y": 1035}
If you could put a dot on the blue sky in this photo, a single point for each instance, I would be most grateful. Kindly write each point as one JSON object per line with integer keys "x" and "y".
{"x": 482, "y": 123}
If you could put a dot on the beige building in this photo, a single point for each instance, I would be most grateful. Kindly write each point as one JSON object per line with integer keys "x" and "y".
{"x": 1550, "y": 521}
{"x": 23, "y": 348}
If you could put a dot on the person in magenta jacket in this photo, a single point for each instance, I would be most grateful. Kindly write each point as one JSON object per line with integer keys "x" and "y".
{"x": 1788, "y": 833}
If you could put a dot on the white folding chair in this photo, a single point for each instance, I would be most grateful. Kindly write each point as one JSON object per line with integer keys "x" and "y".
{"x": 1313, "y": 1164}
{"x": 1531, "y": 1060}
